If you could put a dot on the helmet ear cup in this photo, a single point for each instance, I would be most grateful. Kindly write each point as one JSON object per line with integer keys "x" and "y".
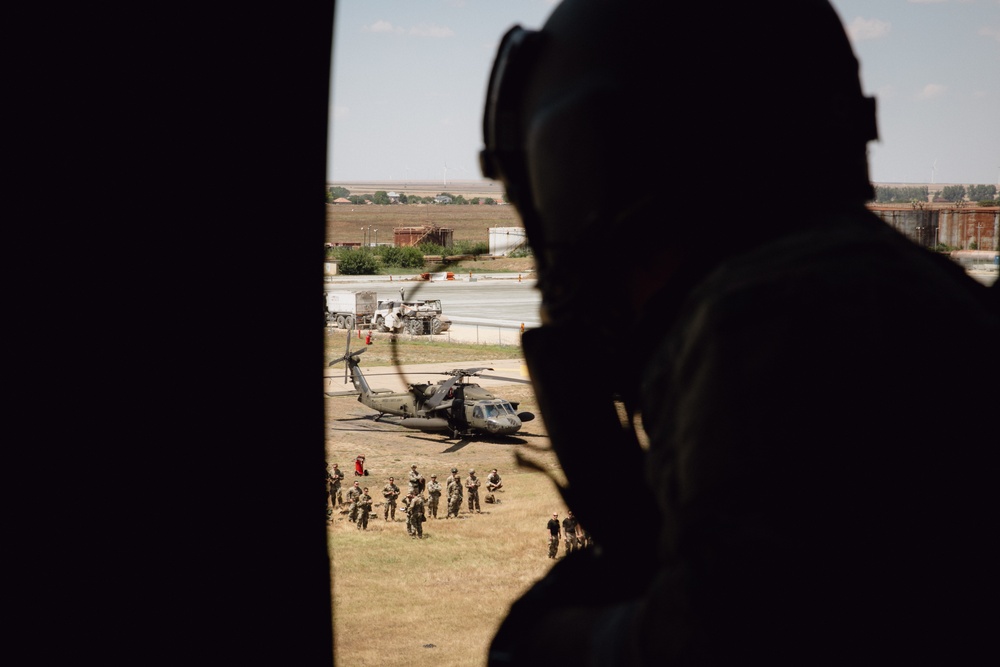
{"x": 502, "y": 157}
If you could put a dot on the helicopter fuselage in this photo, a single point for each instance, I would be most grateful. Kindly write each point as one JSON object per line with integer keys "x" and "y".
{"x": 453, "y": 405}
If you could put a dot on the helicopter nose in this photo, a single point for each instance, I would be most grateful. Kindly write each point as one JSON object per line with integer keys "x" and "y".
{"x": 504, "y": 425}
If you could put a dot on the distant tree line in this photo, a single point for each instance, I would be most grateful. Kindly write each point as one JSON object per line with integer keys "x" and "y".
{"x": 905, "y": 195}
{"x": 985, "y": 195}
{"x": 381, "y": 197}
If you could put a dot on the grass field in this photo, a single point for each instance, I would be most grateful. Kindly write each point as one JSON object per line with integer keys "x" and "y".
{"x": 434, "y": 602}
{"x": 344, "y": 222}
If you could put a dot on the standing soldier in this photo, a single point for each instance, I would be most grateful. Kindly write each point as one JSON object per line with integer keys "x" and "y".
{"x": 415, "y": 516}
{"x": 472, "y": 485}
{"x": 454, "y": 494}
{"x": 553, "y": 528}
{"x": 390, "y": 492}
{"x": 416, "y": 481}
{"x": 364, "y": 509}
{"x": 329, "y": 495}
{"x": 433, "y": 496}
{"x": 569, "y": 526}
{"x": 336, "y": 478}
{"x": 493, "y": 482}
{"x": 353, "y": 494}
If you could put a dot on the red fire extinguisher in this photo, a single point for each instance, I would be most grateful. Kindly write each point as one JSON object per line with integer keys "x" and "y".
{"x": 368, "y": 338}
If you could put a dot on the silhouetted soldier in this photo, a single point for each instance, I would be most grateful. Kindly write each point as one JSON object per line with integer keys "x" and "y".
{"x": 818, "y": 393}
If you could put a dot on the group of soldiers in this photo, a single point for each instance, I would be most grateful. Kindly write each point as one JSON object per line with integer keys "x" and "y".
{"x": 575, "y": 535}
{"x": 422, "y": 499}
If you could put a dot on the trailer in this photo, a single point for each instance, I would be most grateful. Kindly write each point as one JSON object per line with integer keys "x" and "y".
{"x": 347, "y": 309}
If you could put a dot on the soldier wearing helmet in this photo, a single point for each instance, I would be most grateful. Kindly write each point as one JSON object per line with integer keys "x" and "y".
{"x": 768, "y": 524}
{"x": 454, "y": 494}
{"x": 417, "y": 481}
{"x": 415, "y": 516}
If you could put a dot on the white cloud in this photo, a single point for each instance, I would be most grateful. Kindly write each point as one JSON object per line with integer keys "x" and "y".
{"x": 861, "y": 29}
{"x": 428, "y": 30}
{"x": 382, "y": 26}
{"x": 990, "y": 31}
{"x": 931, "y": 90}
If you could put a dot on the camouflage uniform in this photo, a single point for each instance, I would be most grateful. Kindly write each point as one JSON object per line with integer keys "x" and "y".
{"x": 336, "y": 477}
{"x": 353, "y": 494}
{"x": 364, "y": 509}
{"x": 329, "y": 483}
{"x": 553, "y": 528}
{"x": 415, "y": 517}
{"x": 433, "y": 496}
{"x": 390, "y": 492}
{"x": 454, "y": 494}
{"x": 472, "y": 484}
{"x": 416, "y": 481}
{"x": 569, "y": 525}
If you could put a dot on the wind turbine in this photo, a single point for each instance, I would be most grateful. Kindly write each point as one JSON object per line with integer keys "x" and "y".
{"x": 446, "y": 173}
{"x": 933, "y": 171}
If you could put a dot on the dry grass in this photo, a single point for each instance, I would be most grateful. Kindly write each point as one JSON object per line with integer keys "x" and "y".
{"x": 413, "y": 350}
{"x": 437, "y": 601}
{"x": 470, "y": 223}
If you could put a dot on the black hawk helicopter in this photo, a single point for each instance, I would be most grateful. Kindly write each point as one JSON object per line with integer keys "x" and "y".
{"x": 455, "y": 405}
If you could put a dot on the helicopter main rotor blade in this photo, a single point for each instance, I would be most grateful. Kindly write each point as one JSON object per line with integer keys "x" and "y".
{"x": 501, "y": 377}
{"x": 442, "y": 391}
{"x": 459, "y": 372}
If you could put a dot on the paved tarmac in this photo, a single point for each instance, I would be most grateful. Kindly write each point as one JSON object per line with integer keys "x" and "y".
{"x": 480, "y": 307}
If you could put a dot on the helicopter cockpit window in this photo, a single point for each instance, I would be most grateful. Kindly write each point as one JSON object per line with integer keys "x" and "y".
{"x": 477, "y": 412}
{"x": 492, "y": 411}
{"x": 508, "y": 408}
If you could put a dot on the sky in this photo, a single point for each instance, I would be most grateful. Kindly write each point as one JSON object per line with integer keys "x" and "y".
{"x": 409, "y": 82}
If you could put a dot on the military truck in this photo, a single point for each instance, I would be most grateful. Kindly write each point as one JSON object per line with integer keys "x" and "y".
{"x": 347, "y": 309}
{"x": 412, "y": 317}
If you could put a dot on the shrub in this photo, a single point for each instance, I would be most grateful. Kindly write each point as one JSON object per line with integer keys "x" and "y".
{"x": 358, "y": 263}
{"x": 433, "y": 249}
{"x": 470, "y": 248}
